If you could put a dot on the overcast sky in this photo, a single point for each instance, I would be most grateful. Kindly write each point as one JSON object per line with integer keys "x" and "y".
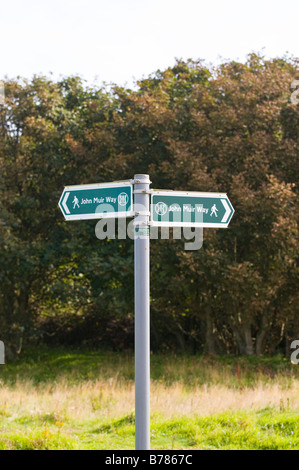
{"x": 123, "y": 40}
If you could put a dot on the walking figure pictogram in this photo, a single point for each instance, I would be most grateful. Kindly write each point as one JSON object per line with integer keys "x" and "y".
{"x": 214, "y": 210}
{"x": 76, "y": 202}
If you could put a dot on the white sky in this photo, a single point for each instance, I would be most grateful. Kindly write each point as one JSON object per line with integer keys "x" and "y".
{"x": 123, "y": 40}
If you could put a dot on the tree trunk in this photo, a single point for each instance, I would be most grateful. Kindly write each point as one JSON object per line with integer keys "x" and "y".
{"x": 248, "y": 341}
{"x": 260, "y": 339}
{"x": 210, "y": 340}
{"x": 15, "y": 319}
{"x": 244, "y": 340}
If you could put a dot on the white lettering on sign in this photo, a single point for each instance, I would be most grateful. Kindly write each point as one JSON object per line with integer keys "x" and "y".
{"x": 188, "y": 208}
{"x": 199, "y": 208}
{"x": 175, "y": 208}
{"x": 97, "y": 200}
{"x": 111, "y": 199}
{"x": 202, "y": 209}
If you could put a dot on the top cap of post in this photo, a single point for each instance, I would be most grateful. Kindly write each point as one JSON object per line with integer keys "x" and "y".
{"x": 142, "y": 178}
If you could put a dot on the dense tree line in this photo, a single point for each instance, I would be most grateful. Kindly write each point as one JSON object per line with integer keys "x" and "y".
{"x": 228, "y": 129}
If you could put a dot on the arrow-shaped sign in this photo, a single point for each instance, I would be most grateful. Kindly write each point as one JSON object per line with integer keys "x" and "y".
{"x": 97, "y": 201}
{"x": 190, "y": 209}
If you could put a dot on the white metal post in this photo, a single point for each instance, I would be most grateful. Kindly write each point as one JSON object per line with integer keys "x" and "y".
{"x": 142, "y": 311}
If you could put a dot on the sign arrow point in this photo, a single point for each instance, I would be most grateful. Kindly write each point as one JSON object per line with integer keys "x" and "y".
{"x": 64, "y": 203}
{"x": 227, "y": 210}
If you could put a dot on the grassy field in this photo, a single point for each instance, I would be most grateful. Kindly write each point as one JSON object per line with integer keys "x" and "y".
{"x": 85, "y": 400}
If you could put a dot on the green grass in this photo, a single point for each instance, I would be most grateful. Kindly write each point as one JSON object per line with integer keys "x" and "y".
{"x": 244, "y": 430}
{"x": 58, "y": 399}
{"x": 45, "y": 364}
{"x": 265, "y": 430}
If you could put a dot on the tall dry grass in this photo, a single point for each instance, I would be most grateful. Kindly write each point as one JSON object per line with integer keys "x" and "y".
{"x": 108, "y": 399}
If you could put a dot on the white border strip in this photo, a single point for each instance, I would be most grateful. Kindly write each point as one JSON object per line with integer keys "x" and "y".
{"x": 83, "y": 187}
{"x": 158, "y": 192}
{"x": 98, "y": 215}
{"x": 187, "y": 224}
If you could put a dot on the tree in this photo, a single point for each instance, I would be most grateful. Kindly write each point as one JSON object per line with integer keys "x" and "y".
{"x": 44, "y": 135}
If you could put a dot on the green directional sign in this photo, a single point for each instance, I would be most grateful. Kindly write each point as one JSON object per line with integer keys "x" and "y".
{"x": 96, "y": 201}
{"x": 190, "y": 209}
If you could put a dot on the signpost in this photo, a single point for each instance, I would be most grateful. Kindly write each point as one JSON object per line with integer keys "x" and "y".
{"x": 97, "y": 201}
{"x": 142, "y": 312}
{"x": 168, "y": 209}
